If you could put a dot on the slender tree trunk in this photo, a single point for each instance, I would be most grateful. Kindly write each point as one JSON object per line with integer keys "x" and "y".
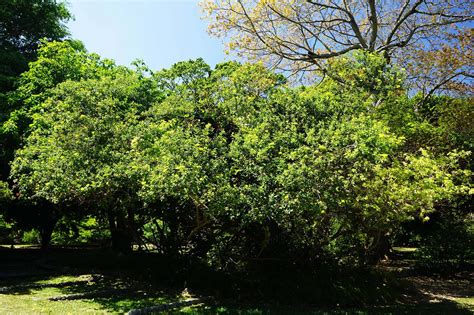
{"x": 381, "y": 248}
{"x": 48, "y": 223}
{"x": 121, "y": 238}
{"x": 46, "y": 233}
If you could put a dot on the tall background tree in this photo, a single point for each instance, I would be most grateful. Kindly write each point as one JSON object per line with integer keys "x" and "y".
{"x": 302, "y": 36}
{"x": 23, "y": 23}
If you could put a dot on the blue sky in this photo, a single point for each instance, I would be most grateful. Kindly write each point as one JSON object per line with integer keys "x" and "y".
{"x": 160, "y": 32}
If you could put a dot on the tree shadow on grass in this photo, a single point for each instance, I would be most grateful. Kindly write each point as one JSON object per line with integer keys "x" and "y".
{"x": 273, "y": 285}
{"x": 112, "y": 294}
{"x": 120, "y": 295}
{"x": 23, "y": 272}
{"x": 441, "y": 308}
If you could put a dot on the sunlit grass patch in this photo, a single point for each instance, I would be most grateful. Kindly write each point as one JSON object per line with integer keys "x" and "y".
{"x": 66, "y": 278}
{"x": 467, "y": 302}
{"x": 25, "y": 298}
{"x": 36, "y": 302}
{"x": 404, "y": 249}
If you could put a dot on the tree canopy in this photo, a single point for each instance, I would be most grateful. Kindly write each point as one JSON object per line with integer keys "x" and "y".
{"x": 23, "y": 24}
{"x": 301, "y": 36}
{"x": 233, "y": 162}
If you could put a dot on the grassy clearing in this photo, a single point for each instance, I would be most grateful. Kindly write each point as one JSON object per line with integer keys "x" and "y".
{"x": 92, "y": 271}
{"x": 36, "y": 302}
{"x": 24, "y": 298}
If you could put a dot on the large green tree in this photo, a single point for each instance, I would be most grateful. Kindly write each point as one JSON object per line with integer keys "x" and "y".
{"x": 233, "y": 165}
{"x": 57, "y": 62}
{"x": 285, "y": 173}
{"x": 23, "y": 24}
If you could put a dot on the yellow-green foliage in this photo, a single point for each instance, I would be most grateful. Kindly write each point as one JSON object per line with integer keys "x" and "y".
{"x": 236, "y": 155}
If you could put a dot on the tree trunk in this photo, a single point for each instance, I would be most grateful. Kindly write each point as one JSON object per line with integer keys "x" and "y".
{"x": 48, "y": 222}
{"x": 46, "y": 232}
{"x": 380, "y": 249}
{"x": 121, "y": 239}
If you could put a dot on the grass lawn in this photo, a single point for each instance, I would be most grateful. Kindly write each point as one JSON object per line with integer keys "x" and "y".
{"x": 25, "y": 297}
{"x": 27, "y": 283}
{"x": 36, "y": 302}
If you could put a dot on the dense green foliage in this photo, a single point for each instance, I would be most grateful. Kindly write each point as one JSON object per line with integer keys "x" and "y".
{"x": 230, "y": 177}
{"x": 23, "y": 24}
{"x": 230, "y": 164}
